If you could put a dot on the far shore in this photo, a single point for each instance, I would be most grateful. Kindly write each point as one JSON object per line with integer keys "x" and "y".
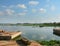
{"x": 32, "y": 24}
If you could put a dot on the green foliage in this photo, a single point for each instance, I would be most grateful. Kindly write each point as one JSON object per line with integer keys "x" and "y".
{"x": 31, "y": 24}
{"x": 49, "y": 43}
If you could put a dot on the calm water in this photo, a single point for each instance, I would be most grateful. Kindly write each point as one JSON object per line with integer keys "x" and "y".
{"x": 34, "y": 33}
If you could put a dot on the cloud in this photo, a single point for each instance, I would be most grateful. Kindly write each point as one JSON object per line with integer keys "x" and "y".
{"x": 47, "y": 0}
{"x": 12, "y": 6}
{"x": 47, "y": 6}
{"x": 4, "y": 6}
{"x": 9, "y": 11}
{"x": 33, "y": 2}
{"x": 3, "y": 18}
{"x": 1, "y": 13}
{"x": 21, "y": 6}
{"x": 25, "y": 11}
{"x": 53, "y": 8}
{"x": 21, "y": 14}
{"x": 33, "y": 10}
{"x": 15, "y": 6}
{"x": 42, "y": 10}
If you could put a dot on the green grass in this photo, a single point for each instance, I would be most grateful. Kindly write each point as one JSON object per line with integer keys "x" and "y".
{"x": 44, "y": 43}
{"x": 50, "y": 43}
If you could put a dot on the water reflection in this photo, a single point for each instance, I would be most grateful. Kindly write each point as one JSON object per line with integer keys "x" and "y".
{"x": 56, "y": 33}
{"x": 34, "y": 33}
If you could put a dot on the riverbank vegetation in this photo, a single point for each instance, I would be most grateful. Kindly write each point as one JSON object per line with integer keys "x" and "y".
{"x": 45, "y": 43}
{"x": 50, "y": 43}
{"x": 31, "y": 24}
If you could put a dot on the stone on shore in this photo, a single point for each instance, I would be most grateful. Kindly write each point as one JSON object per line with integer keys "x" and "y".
{"x": 34, "y": 43}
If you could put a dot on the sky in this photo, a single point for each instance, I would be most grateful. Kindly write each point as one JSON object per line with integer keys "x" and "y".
{"x": 29, "y": 11}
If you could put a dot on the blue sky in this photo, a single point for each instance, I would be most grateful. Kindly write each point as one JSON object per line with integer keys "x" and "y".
{"x": 29, "y": 11}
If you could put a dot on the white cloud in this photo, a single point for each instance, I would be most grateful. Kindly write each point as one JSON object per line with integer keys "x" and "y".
{"x": 15, "y": 6}
{"x": 1, "y": 13}
{"x": 47, "y": 5}
{"x": 9, "y": 11}
{"x": 33, "y": 2}
{"x": 25, "y": 11}
{"x": 47, "y": 0}
{"x": 11, "y": 6}
{"x": 42, "y": 10}
{"x": 21, "y": 6}
{"x": 4, "y": 6}
{"x": 21, "y": 14}
{"x": 33, "y": 10}
{"x": 3, "y": 18}
{"x": 53, "y": 8}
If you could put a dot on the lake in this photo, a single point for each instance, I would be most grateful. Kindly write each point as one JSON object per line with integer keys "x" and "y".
{"x": 34, "y": 33}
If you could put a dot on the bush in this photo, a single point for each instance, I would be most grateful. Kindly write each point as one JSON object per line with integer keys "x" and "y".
{"x": 49, "y": 43}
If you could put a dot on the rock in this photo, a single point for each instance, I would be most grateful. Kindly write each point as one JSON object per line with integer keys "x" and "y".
{"x": 33, "y": 43}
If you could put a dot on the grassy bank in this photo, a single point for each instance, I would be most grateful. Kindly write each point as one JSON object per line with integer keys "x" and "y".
{"x": 32, "y": 24}
{"x": 50, "y": 43}
{"x": 45, "y": 43}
